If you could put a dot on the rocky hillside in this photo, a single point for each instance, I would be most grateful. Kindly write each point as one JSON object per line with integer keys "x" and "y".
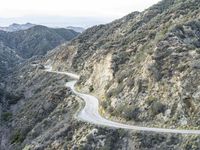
{"x": 36, "y": 40}
{"x": 8, "y": 59}
{"x": 16, "y": 47}
{"x": 144, "y": 67}
{"x": 38, "y": 113}
{"x": 28, "y": 92}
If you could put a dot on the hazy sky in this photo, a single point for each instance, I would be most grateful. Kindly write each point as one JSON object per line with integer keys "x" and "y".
{"x": 50, "y": 10}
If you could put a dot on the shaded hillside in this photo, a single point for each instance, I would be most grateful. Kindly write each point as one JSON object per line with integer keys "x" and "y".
{"x": 8, "y": 59}
{"x": 36, "y": 40}
{"x": 144, "y": 67}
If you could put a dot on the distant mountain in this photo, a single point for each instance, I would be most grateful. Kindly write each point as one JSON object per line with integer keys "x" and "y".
{"x": 77, "y": 29}
{"x": 17, "y": 27}
{"x": 36, "y": 40}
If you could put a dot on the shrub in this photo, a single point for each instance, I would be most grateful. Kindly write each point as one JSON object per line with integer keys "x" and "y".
{"x": 6, "y": 116}
{"x": 119, "y": 110}
{"x": 152, "y": 35}
{"x": 130, "y": 82}
{"x": 122, "y": 75}
{"x": 131, "y": 114}
{"x": 104, "y": 104}
{"x": 1, "y": 92}
{"x": 109, "y": 94}
{"x": 110, "y": 110}
{"x": 154, "y": 72}
{"x": 151, "y": 99}
{"x": 157, "y": 108}
{"x": 115, "y": 92}
{"x": 16, "y": 137}
{"x": 91, "y": 88}
{"x": 13, "y": 98}
{"x": 118, "y": 59}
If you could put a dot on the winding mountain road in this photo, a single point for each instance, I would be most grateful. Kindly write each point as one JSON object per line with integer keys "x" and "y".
{"x": 90, "y": 112}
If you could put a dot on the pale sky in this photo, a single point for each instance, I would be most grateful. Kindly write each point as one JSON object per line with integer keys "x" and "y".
{"x": 103, "y": 9}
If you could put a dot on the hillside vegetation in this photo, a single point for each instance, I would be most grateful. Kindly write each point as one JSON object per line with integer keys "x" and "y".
{"x": 144, "y": 67}
{"x": 16, "y": 47}
{"x": 36, "y": 40}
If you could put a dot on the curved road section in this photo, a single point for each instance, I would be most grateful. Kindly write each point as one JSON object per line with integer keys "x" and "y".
{"x": 90, "y": 113}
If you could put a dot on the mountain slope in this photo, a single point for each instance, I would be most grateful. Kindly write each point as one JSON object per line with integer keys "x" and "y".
{"x": 141, "y": 66}
{"x": 8, "y": 59}
{"x": 40, "y": 115}
{"x": 17, "y": 46}
{"x": 36, "y": 40}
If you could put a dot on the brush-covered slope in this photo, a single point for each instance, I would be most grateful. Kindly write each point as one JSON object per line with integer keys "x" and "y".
{"x": 36, "y": 40}
{"x": 144, "y": 67}
{"x": 38, "y": 113}
{"x": 8, "y": 59}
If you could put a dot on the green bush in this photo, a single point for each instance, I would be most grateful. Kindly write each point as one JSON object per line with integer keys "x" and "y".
{"x": 118, "y": 59}
{"x": 157, "y": 108}
{"x": 109, "y": 94}
{"x": 1, "y": 92}
{"x": 131, "y": 113}
{"x": 105, "y": 104}
{"x": 130, "y": 82}
{"x": 115, "y": 92}
{"x": 6, "y": 116}
{"x": 16, "y": 137}
{"x": 122, "y": 75}
{"x": 91, "y": 88}
{"x": 13, "y": 98}
{"x": 110, "y": 109}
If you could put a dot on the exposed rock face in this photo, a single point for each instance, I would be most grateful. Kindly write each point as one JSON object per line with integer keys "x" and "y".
{"x": 102, "y": 73}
